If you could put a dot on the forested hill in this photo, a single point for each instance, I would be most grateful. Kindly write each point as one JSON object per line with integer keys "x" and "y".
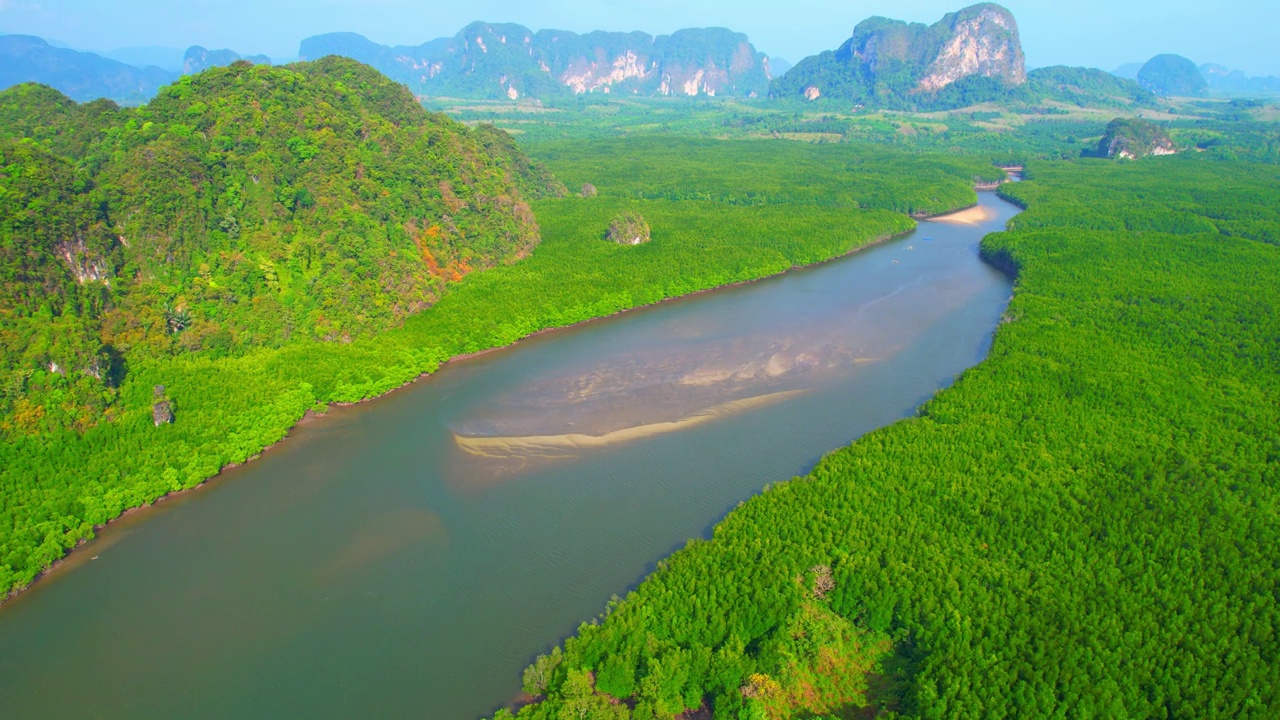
{"x": 1085, "y": 525}
{"x": 243, "y": 207}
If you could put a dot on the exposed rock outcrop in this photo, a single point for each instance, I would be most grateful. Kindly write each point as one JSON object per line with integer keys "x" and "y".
{"x": 162, "y": 410}
{"x": 890, "y": 58}
{"x": 1131, "y": 139}
{"x": 507, "y": 61}
{"x": 983, "y": 41}
{"x": 628, "y": 228}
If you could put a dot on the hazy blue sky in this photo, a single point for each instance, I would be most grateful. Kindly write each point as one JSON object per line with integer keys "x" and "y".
{"x": 1102, "y": 33}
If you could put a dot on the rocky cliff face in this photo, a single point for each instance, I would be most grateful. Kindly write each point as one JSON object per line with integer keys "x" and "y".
{"x": 889, "y": 58}
{"x": 983, "y": 41}
{"x": 505, "y": 61}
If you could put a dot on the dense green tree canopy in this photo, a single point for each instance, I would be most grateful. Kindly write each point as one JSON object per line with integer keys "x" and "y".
{"x": 1085, "y": 525}
{"x": 242, "y": 207}
{"x": 1172, "y": 75}
{"x": 1133, "y": 138}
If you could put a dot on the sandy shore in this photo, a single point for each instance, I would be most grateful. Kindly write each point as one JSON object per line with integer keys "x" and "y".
{"x": 975, "y": 215}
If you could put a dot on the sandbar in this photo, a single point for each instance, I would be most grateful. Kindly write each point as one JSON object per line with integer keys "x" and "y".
{"x": 552, "y": 445}
{"x": 975, "y": 215}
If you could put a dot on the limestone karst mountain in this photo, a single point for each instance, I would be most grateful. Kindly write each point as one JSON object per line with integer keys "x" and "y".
{"x": 975, "y": 48}
{"x": 497, "y": 61}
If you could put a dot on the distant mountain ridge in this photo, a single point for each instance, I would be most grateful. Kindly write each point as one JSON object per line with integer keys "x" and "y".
{"x": 81, "y": 76}
{"x": 85, "y": 76}
{"x": 166, "y": 58}
{"x": 1128, "y": 71}
{"x": 197, "y": 59}
{"x": 509, "y": 61}
{"x": 968, "y": 57}
{"x": 1224, "y": 79}
{"x": 1213, "y": 78}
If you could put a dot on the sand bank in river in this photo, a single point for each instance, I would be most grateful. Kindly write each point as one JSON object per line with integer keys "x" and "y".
{"x": 560, "y": 445}
{"x": 975, "y": 215}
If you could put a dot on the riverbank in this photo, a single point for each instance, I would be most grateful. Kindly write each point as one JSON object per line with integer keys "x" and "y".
{"x": 647, "y": 306}
{"x": 232, "y": 408}
{"x": 1028, "y": 526}
{"x": 247, "y": 579}
{"x": 314, "y": 414}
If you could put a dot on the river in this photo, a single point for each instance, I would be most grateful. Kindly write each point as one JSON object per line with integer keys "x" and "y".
{"x": 409, "y": 556}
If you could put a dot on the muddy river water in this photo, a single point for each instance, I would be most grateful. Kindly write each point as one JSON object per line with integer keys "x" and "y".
{"x": 408, "y": 557}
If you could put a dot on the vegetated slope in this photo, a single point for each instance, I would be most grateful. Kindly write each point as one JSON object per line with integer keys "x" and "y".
{"x": 1172, "y": 75}
{"x": 244, "y": 208}
{"x": 56, "y": 486}
{"x": 241, "y": 208}
{"x": 1085, "y": 525}
{"x": 1087, "y": 87}
{"x": 57, "y": 123}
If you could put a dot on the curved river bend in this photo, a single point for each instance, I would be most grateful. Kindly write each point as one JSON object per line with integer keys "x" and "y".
{"x": 408, "y": 557}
